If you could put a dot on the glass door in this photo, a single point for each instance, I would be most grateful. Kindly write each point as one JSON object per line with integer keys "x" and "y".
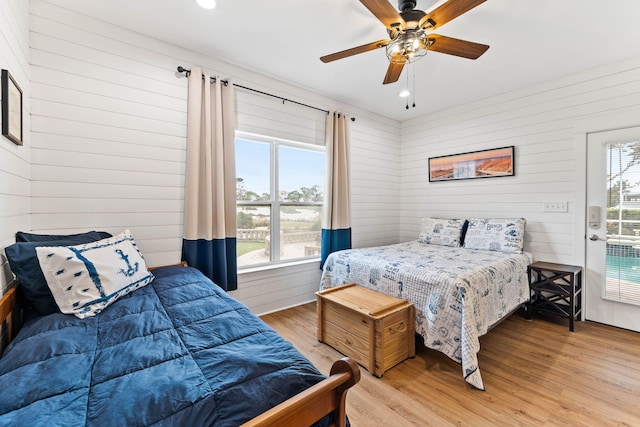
{"x": 613, "y": 228}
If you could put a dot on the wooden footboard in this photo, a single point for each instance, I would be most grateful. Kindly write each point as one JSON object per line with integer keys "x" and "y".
{"x": 307, "y": 407}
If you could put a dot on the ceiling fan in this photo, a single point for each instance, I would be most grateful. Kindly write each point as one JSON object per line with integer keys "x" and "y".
{"x": 409, "y": 36}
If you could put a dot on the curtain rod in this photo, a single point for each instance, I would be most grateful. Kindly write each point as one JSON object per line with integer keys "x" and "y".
{"x": 181, "y": 69}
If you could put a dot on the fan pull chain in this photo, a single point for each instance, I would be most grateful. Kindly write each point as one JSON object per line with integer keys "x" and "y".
{"x": 407, "y": 107}
{"x": 413, "y": 68}
{"x": 410, "y": 68}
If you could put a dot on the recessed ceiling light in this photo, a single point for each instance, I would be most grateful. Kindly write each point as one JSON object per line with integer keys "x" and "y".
{"x": 207, "y": 4}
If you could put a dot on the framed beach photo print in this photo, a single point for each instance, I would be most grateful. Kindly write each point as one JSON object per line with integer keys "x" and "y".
{"x": 476, "y": 164}
{"x": 11, "y": 108}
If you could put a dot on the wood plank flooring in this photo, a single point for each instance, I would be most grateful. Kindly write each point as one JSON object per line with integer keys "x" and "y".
{"x": 536, "y": 373}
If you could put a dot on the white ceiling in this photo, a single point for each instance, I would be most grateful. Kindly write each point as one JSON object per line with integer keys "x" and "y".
{"x": 531, "y": 41}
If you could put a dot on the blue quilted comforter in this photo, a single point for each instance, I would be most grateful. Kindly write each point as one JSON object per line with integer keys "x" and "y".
{"x": 179, "y": 352}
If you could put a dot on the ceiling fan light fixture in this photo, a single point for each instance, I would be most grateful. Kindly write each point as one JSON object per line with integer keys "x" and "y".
{"x": 408, "y": 46}
{"x": 404, "y": 93}
{"x": 207, "y": 4}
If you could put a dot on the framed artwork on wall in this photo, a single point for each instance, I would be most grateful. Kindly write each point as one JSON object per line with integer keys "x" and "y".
{"x": 11, "y": 108}
{"x": 476, "y": 164}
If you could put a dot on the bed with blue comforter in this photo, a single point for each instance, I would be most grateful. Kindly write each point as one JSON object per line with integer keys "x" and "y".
{"x": 177, "y": 352}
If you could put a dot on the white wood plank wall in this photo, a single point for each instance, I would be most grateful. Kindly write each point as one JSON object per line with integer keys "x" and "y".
{"x": 109, "y": 115}
{"x": 15, "y": 172}
{"x": 539, "y": 121}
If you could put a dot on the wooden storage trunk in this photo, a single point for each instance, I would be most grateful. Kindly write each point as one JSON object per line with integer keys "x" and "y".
{"x": 374, "y": 329}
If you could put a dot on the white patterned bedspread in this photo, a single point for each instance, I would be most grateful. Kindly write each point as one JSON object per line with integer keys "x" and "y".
{"x": 458, "y": 293}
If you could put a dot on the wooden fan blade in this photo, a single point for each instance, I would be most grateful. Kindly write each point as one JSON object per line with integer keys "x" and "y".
{"x": 385, "y": 12}
{"x": 448, "y": 11}
{"x": 393, "y": 73}
{"x": 457, "y": 47}
{"x": 355, "y": 50}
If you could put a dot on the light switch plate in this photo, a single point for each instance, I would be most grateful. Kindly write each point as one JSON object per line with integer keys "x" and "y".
{"x": 555, "y": 207}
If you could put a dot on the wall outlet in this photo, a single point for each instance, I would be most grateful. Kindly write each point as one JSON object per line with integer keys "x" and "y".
{"x": 555, "y": 207}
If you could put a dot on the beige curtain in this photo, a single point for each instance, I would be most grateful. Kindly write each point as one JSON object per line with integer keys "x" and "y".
{"x": 336, "y": 224}
{"x": 209, "y": 242}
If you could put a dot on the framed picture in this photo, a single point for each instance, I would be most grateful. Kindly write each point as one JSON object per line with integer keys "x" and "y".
{"x": 11, "y": 108}
{"x": 476, "y": 164}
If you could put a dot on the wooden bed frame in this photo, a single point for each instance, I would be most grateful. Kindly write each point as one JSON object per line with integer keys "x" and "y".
{"x": 303, "y": 409}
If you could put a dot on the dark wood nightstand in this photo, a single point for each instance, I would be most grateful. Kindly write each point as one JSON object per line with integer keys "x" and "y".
{"x": 556, "y": 290}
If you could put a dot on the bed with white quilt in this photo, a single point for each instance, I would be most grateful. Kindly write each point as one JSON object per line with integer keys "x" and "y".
{"x": 463, "y": 277}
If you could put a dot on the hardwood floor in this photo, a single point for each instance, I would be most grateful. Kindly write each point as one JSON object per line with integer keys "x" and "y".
{"x": 536, "y": 373}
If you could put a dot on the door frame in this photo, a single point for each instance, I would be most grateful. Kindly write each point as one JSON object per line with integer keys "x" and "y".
{"x": 624, "y": 118}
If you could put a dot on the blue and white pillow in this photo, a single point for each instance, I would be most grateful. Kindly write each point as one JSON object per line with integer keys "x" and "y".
{"x": 443, "y": 232}
{"x": 85, "y": 279}
{"x": 495, "y": 234}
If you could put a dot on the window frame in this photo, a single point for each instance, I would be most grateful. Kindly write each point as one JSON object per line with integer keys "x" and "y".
{"x": 275, "y": 204}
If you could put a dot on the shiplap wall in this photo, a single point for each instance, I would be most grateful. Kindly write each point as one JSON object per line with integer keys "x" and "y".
{"x": 109, "y": 114}
{"x": 540, "y": 121}
{"x": 15, "y": 171}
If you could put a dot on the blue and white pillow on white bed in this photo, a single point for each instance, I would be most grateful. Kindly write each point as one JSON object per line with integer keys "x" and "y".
{"x": 85, "y": 279}
{"x": 496, "y": 234}
{"x": 443, "y": 232}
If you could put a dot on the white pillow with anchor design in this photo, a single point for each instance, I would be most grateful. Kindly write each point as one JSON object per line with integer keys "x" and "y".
{"x": 85, "y": 279}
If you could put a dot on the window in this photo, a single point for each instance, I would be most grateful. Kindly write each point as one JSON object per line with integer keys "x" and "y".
{"x": 279, "y": 191}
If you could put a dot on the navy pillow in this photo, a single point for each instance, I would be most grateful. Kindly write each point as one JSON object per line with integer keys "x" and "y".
{"x": 23, "y": 261}
{"x": 31, "y": 237}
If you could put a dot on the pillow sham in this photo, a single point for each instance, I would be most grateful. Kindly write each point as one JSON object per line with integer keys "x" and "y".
{"x": 496, "y": 234}
{"x": 85, "y": 279}
{"x": 23, "y": 262}
{"x": 443, "y": 232}
{"x": 33, "y": 237}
